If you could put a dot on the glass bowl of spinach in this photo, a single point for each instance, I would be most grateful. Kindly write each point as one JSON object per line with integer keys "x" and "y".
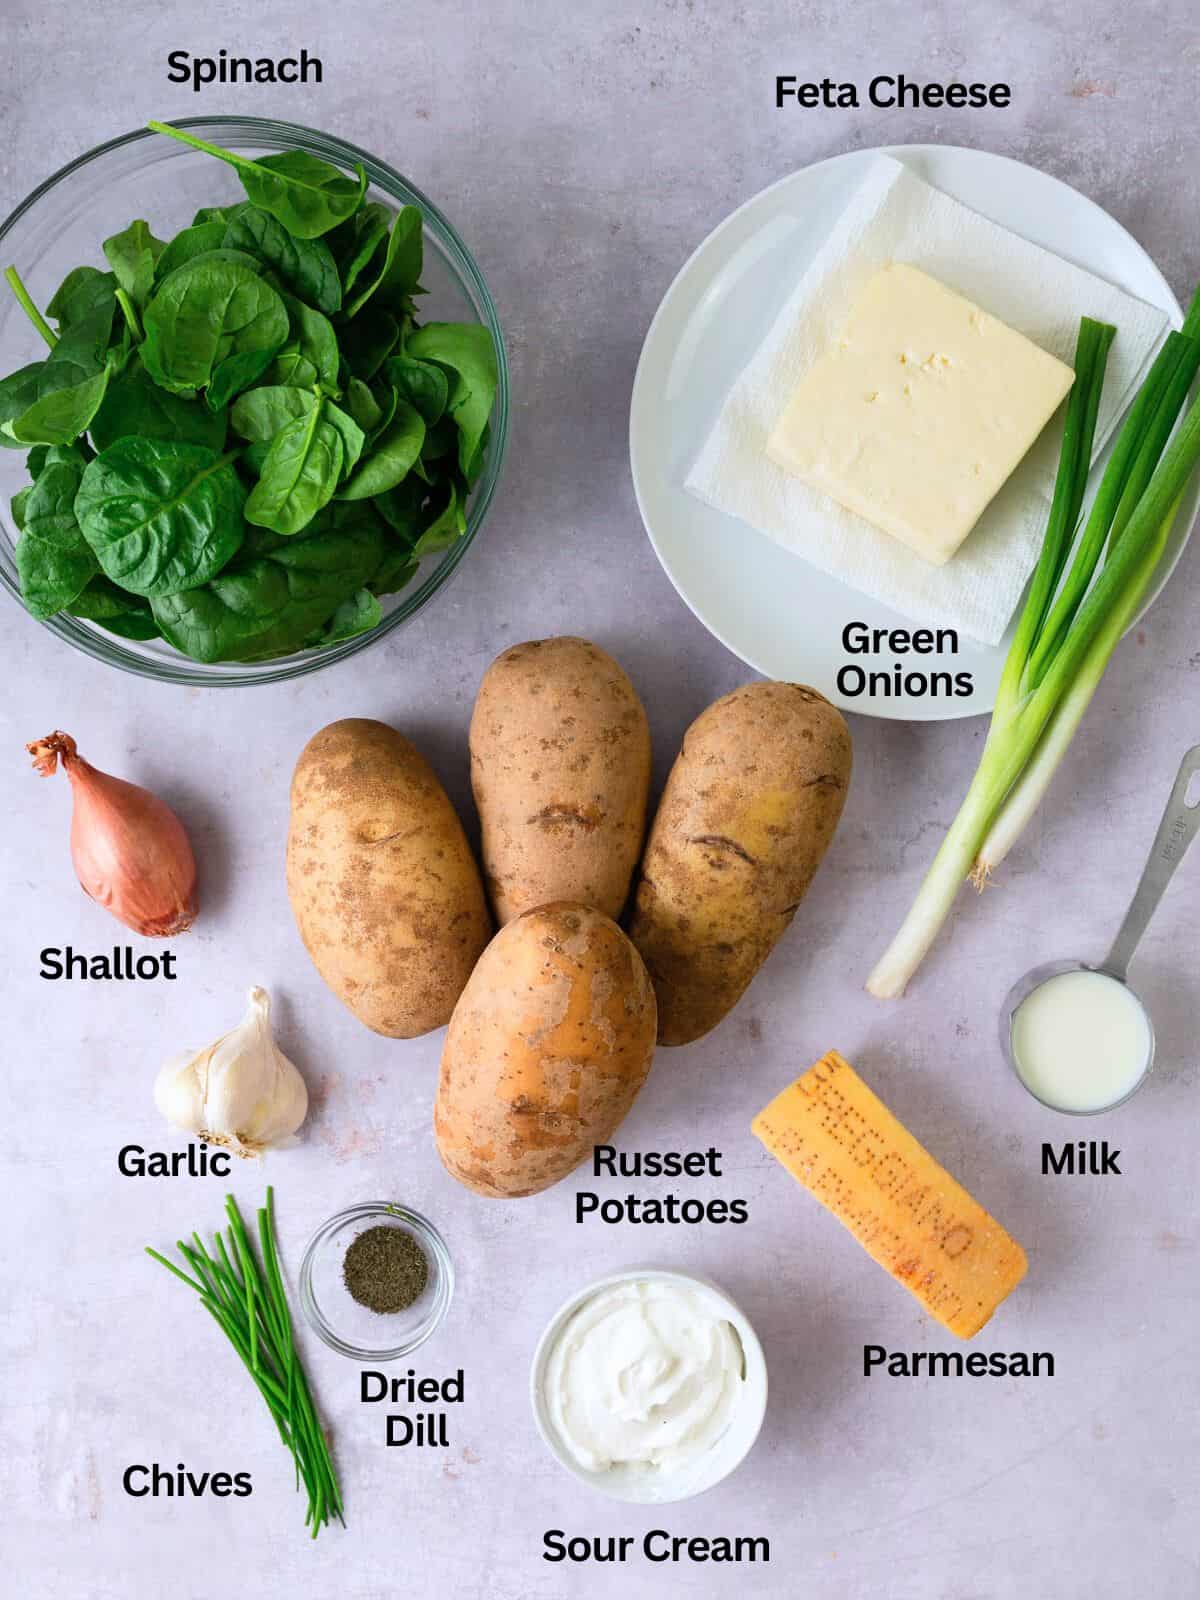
{"x": 259, "y": 407}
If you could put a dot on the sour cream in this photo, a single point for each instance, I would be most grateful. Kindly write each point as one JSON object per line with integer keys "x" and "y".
{"x": 1081, "y": 1041}
{"x": 646, "y": 1376}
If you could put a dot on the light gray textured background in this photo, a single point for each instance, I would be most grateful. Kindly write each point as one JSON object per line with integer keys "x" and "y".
{"x": 582, "y": 160}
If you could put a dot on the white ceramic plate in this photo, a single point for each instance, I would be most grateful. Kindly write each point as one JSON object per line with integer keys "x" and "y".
{"x": 780, "y": 615}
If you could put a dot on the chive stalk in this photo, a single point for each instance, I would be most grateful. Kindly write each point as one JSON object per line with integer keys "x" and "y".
{"x": 247, "y": 1300}
{"x": 1069, "y": 626}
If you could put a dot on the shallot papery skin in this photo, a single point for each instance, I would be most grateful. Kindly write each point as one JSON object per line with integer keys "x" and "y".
{"x": 131, "y": 853}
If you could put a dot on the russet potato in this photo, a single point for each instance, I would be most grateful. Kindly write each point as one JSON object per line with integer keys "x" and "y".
{"x": 546, "y": 1051}
{"x": 560, "y": 768}
{"x": 383, "y": 885}
{"x": 747, "y": 814}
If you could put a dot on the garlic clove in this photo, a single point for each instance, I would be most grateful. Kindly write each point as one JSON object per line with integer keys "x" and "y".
{"x": 178, "y": 1091}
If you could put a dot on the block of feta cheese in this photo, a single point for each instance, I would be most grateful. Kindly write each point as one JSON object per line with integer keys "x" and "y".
{"x": 920, "y": 411}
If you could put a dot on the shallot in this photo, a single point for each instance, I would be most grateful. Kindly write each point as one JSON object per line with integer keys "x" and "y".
{"x": 130, "y": 850}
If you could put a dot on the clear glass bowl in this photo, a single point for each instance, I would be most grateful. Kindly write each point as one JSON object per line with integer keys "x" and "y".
{"x": 143, "y": 174}
{"x": 332, "y": 1311}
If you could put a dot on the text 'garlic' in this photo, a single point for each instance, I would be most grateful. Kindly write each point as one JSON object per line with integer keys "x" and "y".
{"x": 241, "y": 1091}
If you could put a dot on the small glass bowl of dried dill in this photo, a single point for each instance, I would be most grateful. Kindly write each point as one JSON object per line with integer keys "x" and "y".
{"x": 376, "y": 1281}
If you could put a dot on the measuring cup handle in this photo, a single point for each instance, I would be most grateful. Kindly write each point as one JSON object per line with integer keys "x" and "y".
{"x": 1179, "y": 826}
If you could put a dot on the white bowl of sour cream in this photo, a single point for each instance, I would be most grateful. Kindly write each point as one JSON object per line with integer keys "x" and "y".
{"x": 650, "y": 1386}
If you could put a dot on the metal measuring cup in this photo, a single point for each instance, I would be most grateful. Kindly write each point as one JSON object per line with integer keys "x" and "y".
{"x": 1179, "y": 826}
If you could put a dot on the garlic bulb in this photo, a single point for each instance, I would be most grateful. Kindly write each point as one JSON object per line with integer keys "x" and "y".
{"x": 241, "y": 1091}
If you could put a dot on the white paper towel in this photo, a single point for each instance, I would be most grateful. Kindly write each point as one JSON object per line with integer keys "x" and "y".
{"x": 895, "y": 216}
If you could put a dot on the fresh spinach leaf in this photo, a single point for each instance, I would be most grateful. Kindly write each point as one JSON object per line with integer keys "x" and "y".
{"x": 387, "y": 400}
{"x": 396, "y": 272}
{"x": 132, "y": 255}
{"x": 368, "y": 341}
{"x": 353, "y": 437}
{"x": 43, "y": 455}
{"x": 403, "y": 509}
{"x": 70, "y": 384}
{"x": 207, "y": 311}
{"x": 217, "y": 213}
{"x": 135, "y": 406}
{"x": 355, "y": 242}
{"x": 250, "y": 461}
{"x": 467, "y": 351}
{"x": 299, "y": 475}
{"x": 17, "y": 506}
{"x": 17, "y": 393}
{"x": 308, "y": 195}
{"x": 46, "y": 455}
{"x": 310, "y": 358}
{"x": 82, "y": 291}
{"x": 261, "y": 413}
{"x": 395, "y": 572}
{"x": 390, "y": 458}
{"x": 197, "y": 240}
{"x": 86, "y": 344}
{"x": 446, "y": 528}
{"x": 291, "y": 369}
{"x": 441, "y": 443}
{"x": 277, "y": 593}
{"x": 304, "y": 267}
{"x": 128, "y": 615}
{"x": 475, "y": 466}
{"x": 52, "y": 401}
{"x": 239, "y": 258}
{"x": 130, "y": 624}
{"x": 59, "y": 415}
{"x": 359, "y": 614}
{"x": 237, "y": 372}
{"x": 421, "y": 383}
{"x": 362, "y": 405}
{"x": 161, "y": 516}
{"x": 315, "y": 340}
{"x": 53, "y": 559}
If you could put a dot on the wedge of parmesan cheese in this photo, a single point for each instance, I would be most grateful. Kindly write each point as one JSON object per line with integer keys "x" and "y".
{"x": 919, "y": 412}
{"x": 840, "y": 1141}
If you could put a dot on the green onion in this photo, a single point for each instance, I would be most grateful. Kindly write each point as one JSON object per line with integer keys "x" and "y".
{"x": 1112, "y": 497}
{"x": 248, "y": 1302}
{"x": 1069, "y": 626}
{"x": 1029, "y": 790}
{"x": 1091, "y": 357}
